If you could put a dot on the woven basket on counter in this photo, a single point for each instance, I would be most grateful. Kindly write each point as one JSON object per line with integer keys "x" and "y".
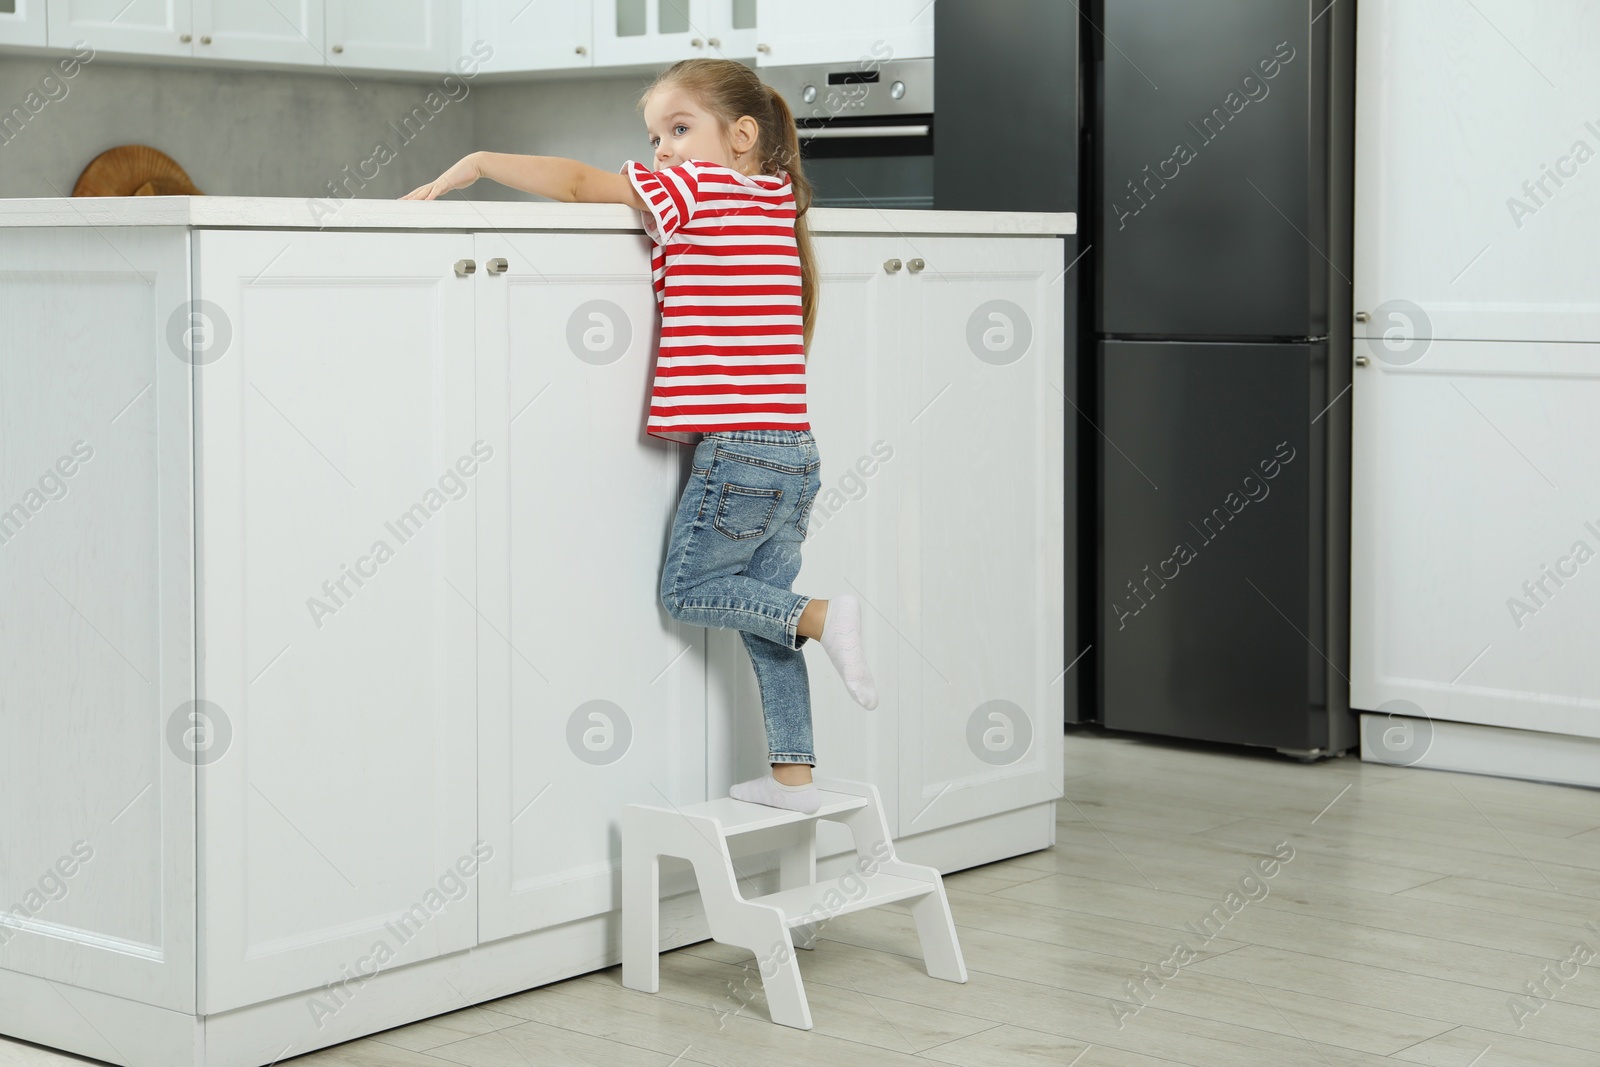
{"x": 134, "y": 170}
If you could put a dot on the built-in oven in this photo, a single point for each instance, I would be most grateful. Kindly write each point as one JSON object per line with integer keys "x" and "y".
{"x": 866, "y": 130}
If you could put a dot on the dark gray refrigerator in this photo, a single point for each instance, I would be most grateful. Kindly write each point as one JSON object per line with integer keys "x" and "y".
{"x": 1219, "y": 197}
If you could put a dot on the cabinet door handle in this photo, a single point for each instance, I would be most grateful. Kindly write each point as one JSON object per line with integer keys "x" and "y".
{"x": 891, "y": 265}
{"x": 915, "y": 265}
{"x": 497, "y": 266}
{"x": 1362, "y": 316}
{"x": 1362, "y": 361}
{"x": 715, "y": 42}
{"x": 696, "y": 43}
{"x": 184, "y": 38}
{"x": 764, "y": 49}
{"x": 206, "y": 39}
{"x": 337, "y": 48}
{"x": 465, "y": 267}
{"x": 582, "y": 51}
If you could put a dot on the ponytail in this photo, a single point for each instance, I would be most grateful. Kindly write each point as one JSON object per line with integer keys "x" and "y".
{"x": 784, "y": 153}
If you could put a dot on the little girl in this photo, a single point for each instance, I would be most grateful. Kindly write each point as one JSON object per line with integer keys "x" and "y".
{"x": 734, "y": 277}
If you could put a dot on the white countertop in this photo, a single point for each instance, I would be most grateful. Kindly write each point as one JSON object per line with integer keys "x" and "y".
{"x": 282, "y": 212}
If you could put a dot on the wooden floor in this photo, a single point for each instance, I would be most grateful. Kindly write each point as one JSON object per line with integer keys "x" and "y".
{"x": 1416, "y": 905}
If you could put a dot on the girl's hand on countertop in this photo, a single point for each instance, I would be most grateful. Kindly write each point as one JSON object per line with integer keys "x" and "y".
{"x": 463, "y": 174}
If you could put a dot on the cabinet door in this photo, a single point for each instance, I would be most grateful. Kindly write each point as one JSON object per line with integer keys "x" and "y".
{"x": 277, "y": 32}
{"x": 628, "y": 32}
{"x": 590, "y": 695}
{"x": 97, "y": 856}
{"x": 535, "y": 34}
{"x": 403, "y": 35}
{"x": 1475, "y": 517}
{"x": 843, "y": 31}
{"x": 733, "y": 29}
{"x": 22, "y": 22}
{"x": 1501, "y": 248}
{"x": 338, "y": 477}
{"x": 148, "y": 27}
{"x": 982, "y": 526}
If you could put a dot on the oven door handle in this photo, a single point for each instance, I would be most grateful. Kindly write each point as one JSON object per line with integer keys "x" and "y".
{"x": 865, "y": 131}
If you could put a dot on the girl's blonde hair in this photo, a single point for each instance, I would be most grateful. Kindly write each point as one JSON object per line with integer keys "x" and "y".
{"x": 729, "y": 90}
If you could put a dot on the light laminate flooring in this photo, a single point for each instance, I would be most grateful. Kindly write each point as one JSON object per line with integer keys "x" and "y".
{"x": 1415, "y": 908}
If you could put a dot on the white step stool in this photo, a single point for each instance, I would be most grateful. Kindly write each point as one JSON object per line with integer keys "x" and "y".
{"x": 710, "y": 834}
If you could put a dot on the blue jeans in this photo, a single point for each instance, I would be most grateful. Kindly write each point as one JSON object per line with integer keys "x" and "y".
{"x": 734, "y": 554}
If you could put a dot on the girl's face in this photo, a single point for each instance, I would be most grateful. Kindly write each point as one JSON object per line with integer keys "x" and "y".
{"x": 679, "y": 129}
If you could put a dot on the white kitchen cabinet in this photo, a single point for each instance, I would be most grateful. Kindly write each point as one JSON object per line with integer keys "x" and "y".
{"x": 590, "y": 696}
{"x": 97, "y": 660}
{"x": 1489, "y": 248}
{"x": 982, "y": 528}
{"x": 336, "y": 545}
{"x": 283, "y": 31}
{"x": 842, "y": 31}
{"x": 400, "y": 35}
{"x": 1474, "y": 488}
{"x": 1475, "y": 505}
{"x": 533, "y": 35}
{"x": 412, "y": 36}
{"x": 146, "y": 27}
{"x": 630, "y": 32}
{"x": 23, "y": 22}
{"x": 735, "y": 30}
{"x": 404, "y": 551}
{"x": 654, "y": 32}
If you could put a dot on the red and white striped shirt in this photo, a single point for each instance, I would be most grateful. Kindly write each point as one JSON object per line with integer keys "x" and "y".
{"x": 726, "y": 272}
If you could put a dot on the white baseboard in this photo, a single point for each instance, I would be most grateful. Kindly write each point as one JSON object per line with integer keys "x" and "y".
{"x": 1405, "y": 741}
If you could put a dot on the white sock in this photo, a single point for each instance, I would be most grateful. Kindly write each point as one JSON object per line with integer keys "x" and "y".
{"x": 768, "y": 790}
{"x": 841, "y": 639}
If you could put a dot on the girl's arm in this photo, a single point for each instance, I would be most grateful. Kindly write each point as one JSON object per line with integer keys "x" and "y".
{"x": 553, "y": 176}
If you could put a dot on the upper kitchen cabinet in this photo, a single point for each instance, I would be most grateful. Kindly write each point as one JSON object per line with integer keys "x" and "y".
{"x": 397, "y": 35}
{"x": 288, "y": 31}
{"x": 838, "y": 31}
{"x": 409, "y": 36}
{"x": 734, "y": 23}
{"x": 532, "y": 35}
{"x": 629, "y": 32}
{"x": 148, "y": 27}
{"x": 281, "y": 32}
{"x": 22, "y": 22}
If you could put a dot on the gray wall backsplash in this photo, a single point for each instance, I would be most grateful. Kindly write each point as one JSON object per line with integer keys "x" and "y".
{"x": 595, "y": 119}
{"x": 273, "y": 133}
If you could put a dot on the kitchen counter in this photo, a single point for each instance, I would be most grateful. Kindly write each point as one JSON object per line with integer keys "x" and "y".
{"x": 453, "y": 213}
{"x": 333, "y": 644}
